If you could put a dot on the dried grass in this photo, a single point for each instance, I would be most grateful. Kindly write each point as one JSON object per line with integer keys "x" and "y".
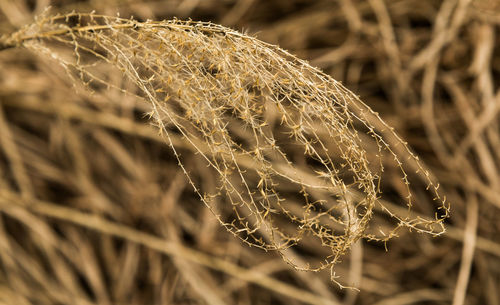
{"x": 74, "y": 160}
{"x": 274, "y": 131}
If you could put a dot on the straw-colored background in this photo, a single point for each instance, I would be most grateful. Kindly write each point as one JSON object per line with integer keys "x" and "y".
{"x": 115, "y": 221}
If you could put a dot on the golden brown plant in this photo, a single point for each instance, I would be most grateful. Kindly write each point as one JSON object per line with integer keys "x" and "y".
{"x": 272, "y": 129}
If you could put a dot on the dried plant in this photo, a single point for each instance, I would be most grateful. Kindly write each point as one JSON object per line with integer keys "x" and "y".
{"x": 295, "y": 156}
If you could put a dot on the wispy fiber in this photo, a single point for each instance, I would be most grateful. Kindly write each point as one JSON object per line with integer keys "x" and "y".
{"x": 272, "y": 129}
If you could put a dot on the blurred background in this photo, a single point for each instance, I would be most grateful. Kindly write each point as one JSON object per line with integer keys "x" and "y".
{"x": 94, "y": 209}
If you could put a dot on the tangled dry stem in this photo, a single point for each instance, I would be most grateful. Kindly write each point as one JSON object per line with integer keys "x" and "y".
{"x": 244, "y": 107}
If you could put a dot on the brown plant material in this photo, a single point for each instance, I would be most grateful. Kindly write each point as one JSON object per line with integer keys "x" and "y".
{"x": 272, "y": 129}
{"x": 94, "y": 208}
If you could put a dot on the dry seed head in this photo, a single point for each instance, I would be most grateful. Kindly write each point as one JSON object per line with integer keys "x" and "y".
{"x": 294, "y": 153}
